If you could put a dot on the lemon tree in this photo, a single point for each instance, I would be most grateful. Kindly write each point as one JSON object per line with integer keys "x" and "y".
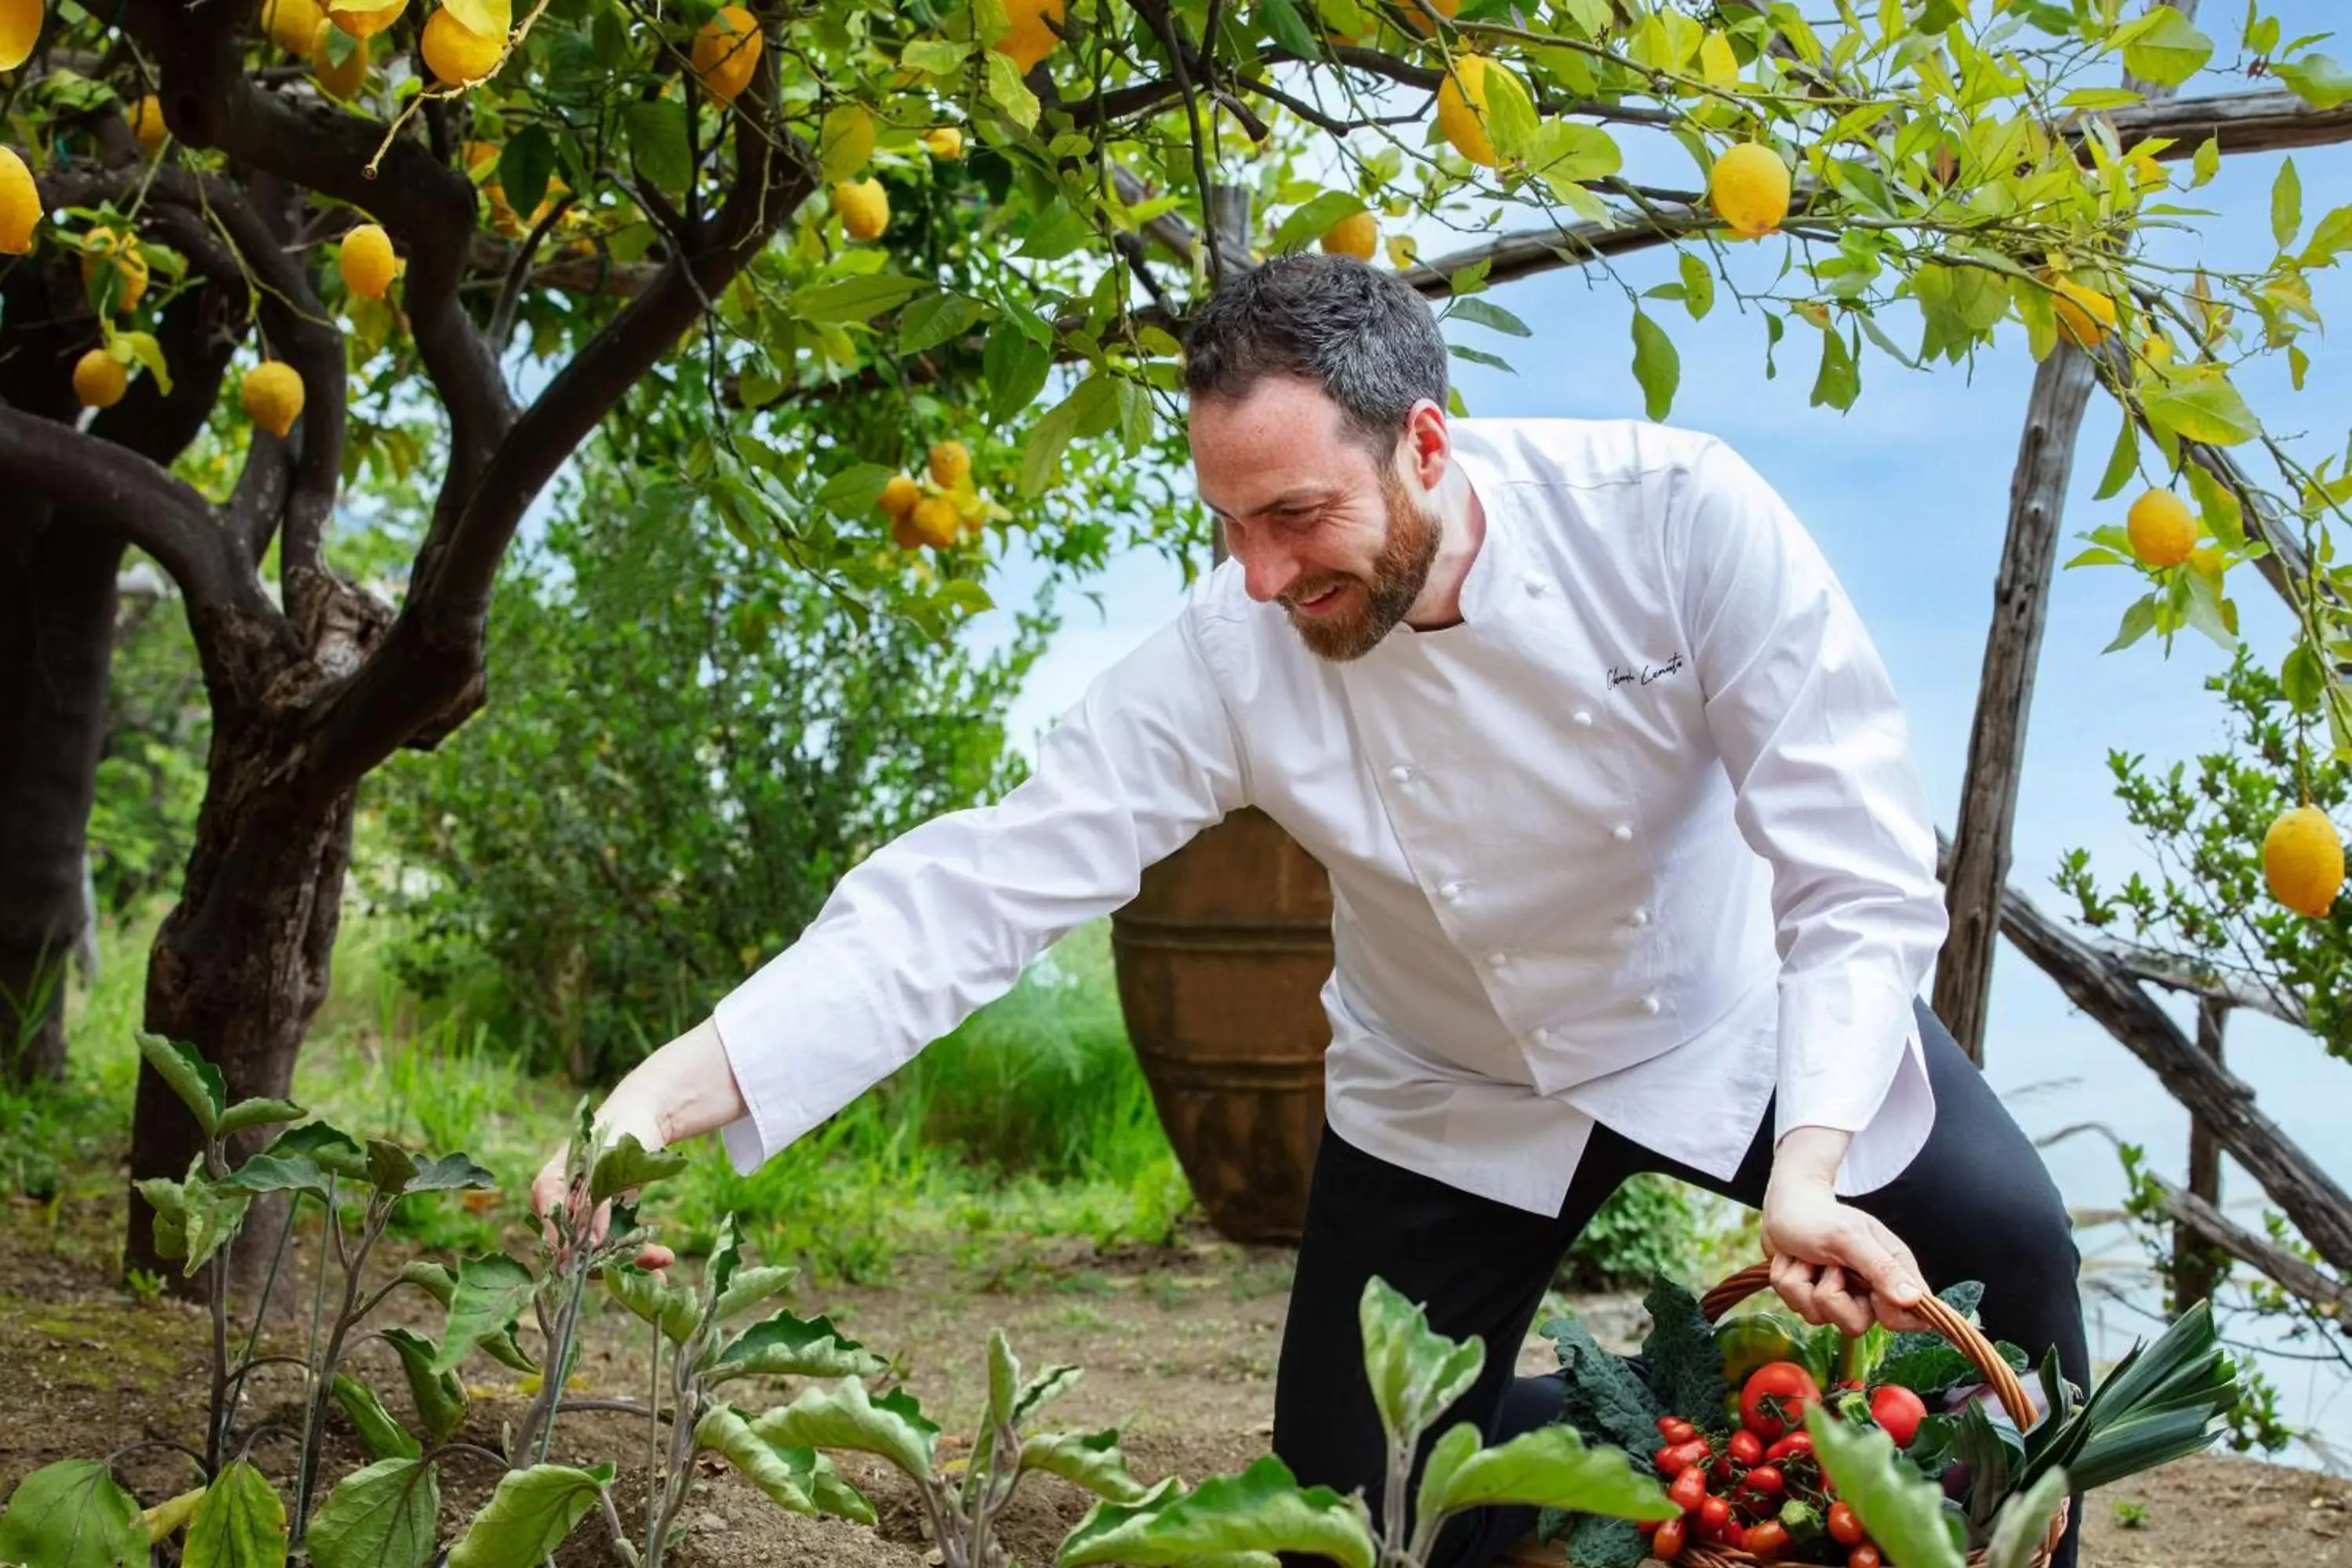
{"x": 442, "y": 243}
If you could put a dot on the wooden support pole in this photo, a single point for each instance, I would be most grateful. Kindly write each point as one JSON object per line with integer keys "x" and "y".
{"x": 2193, "y": 1272}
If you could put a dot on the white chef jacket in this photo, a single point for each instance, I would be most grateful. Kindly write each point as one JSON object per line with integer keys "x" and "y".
{"x": 1636, "y": 842}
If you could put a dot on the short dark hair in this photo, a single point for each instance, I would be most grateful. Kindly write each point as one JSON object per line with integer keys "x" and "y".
{"x": 1362, "y": 335}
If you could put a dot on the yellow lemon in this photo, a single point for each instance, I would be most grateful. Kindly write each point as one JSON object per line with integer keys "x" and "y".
{"x": 944, "y": 142}
{"x": 1033, "y": 36}
{"x": 100, "y": 379}
{"x": 2162, "y": 528}
{"x": 272, "y": 395}
{"x": 934, "y": 521}
{"x": 1462, "y": 109}
{"x": 1420, "y": 19}
{"x": 455, "y": 53}
{"x": 340, "y": 82}
{"x": 147, "y": 122}
{"x": 292, "y": 25}
{"x": 1357, "y": 235}
{"x": 2302, "y": 861}
{"x": 863, "y": 206}
{"x": 899, "y": 496}
{"x": 902, "y": 531}
{"x": 367, "y": 260}
{"x": 950, "y": 464}
{"x": 1748, "y": 188}
{"x": 20, "y": 30}
{"x": 726, "y": 50}
{"x": 2156, "y": 349}
{"x": 2083, "y": 314}
{"x": 367, "y": 24}
{"x": 20, "y": 204}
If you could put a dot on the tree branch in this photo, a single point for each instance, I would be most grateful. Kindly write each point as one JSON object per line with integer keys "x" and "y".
{"x": 129, "y": 493}
{"x": 2291, "y": 1273}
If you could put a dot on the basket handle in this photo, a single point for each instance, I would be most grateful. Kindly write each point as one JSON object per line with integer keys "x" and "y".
{"x": 1963, "y": 1335}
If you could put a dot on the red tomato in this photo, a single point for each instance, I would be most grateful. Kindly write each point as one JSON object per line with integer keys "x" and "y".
{"x": 1747, "y": 1448}
{"x": 1668, "y": 1544}
{"x": 1864, "y": 1557}
{"x": 1774, "y": 1398}
{"x": 1677, "y": 1458}
{"x": 1768, "y": 1540}
{"x": 1713, "y": 1515}
{"x": 1764, "y": 1480}
{"x": 1793, "y": 1444}
{"x": 1675, "y": 1429}
{"x": 1898, "y": 1411}
{"x": 1735, "y": 1535}
{"x": 1689, "y": 1489}
{"x": 1844, "y": 1528}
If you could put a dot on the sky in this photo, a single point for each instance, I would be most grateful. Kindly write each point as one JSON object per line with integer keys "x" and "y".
{"x": 1907, "y": 495}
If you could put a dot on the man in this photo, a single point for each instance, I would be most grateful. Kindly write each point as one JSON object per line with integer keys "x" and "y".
{"x": 1630, "y": 871}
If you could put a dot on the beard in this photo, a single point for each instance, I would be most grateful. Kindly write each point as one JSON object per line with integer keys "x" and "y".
{"x": 1398, "y": 574}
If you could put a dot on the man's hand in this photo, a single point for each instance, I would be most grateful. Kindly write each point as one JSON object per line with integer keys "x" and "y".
{"x": 548, "y": 1193}
{"x": 1832, "y": 1262}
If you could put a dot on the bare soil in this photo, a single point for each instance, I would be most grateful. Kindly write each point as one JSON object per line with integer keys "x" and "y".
{"x": 1178, "y": 1345}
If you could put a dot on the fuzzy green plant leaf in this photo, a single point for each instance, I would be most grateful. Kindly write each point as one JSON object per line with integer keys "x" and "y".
{"x": 1549, "y": 1467}
{"x": 1229, "y": 1519}
{"x": 842, "y": 1415}
{"x": 801, "y": 1480}
{"x": 385, "y": 1438}
{"x": 787, "y": 1346}
{"x": 1415, "y": 1372}
{"x": 491, "y": 1292}
{"x": 197, "y": 1081}
{"x": 529, "y": 1516}
{"x": 381, "y": 1517}
{"x": 73, "y": 1514}
{"x": 240, "y": 1523}
{"x": 1091, "y": 1460}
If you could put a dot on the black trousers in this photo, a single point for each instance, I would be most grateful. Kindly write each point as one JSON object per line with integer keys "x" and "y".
{"x": 1976, "y": 1203}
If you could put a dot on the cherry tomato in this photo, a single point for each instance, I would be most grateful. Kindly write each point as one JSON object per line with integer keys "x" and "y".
{"x": 1648, "y": 1527}
{"x": 1774, "y": 1398}
{"x": 1844, "y": 1528}
{"x": 1689, "y": 1489}
{"x": 1713, "y": 1515}
{"x": 1747, "y": 1448}
{"x": 1675, "y": 1429}
{"x": 1735, "y": 1535}
{"x": 1765, "y": 1480}
{"x": 1668, "y": 1544}
{"x": 1864, "y": 1557}
{"x": 1766, "y": 1540}
{"x": 1793, "y": 1444}
{"x": 1674, "y": 1460}
{"x": 1898, "y": 1412}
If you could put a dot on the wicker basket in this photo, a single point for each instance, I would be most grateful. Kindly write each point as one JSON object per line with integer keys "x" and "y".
{"x": 1998, "y": 1373}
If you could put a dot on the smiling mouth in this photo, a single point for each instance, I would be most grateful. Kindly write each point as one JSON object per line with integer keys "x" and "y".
{"x": 1320, "y": 605}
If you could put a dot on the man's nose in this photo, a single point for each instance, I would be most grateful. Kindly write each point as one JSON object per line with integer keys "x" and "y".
{"x": 1267, "y": 572}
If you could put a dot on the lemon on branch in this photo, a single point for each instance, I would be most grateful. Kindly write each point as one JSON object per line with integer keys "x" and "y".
{"x": 2161, "y": 528}
{"x": 1462, "y": 107}
{"x": 900, "y": 495}
{"x": 102, "y": 246}
{"x": 2302, "y": 861}
{"x": 935, "y": 523}
{"x": 457, "y": 54}
{"x": 950, "y": 464}
{"x": 292, "y": 25}
{"x": 364, "y": 24}
{"x": 2085, "y": 315}
{"x": 367, "y": 260}
{"x": 1357, "y": 235}
{"x": 1033, "y": 36}
{"x": 147, "y": 122}
{"x": 944, "y": 142}
{"x": 20, "y": 30}
{"x": 100, "y": 379}
{"x": 342, "y": 82}
{"x": 272, "y": 395}
{"x": 726, "y": 51}
{"x": 1748, "y": 188}
{"x": 863, "y": 206}
{"x": 20, "y": 204}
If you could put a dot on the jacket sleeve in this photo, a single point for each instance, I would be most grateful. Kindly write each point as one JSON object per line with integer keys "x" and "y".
{"x": 942, "y": 920}
{"x": 1819, "y": 753}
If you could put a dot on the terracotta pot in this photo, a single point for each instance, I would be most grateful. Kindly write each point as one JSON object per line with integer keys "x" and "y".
{"x": 1222, "y": 959}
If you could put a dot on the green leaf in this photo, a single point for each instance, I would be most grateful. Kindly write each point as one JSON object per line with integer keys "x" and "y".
{"x": 1549, "y": 1467}
{"x": 525, "y": 165}
{"x": 675, "y": 1307}
{"x": 1091, "y": 1460}
{"x": 73, "y": 1514}
{"x": 841, "y": 1416}
{"x": 2303, "y": 678}
{"x": 787, "y": 1346}
{"x": 936, "y": 318}
{"x": 1042, "y": 1390}
{"x": 241, "y": 1523}
{"x": 2024, "y": 1520}
{"x": 2329, "y": 240}
{"x": 1656, "y": 365}
{"x": 1487, "y": 313}
{"x": 2123, "y": 462}
{"x": 935, "y": 56}
{"x": 1699, "y": 286}
{"x": 1009, "y": 92}
{"x": 1016, "y": 366}
{"x": 1564, "y": 153}
{"x": 799, "y": 1480}
{"x": 1004, "y": 1377}
{"x": 2167, "y": 52}
{"x": 169, "y": 1199}
{"x": 1679, "y": 1352}
{"x": 1282, "y": 22}
{"x": 1606, "y": 1543}
{"x": 492, "y": 1291}
{"x": 1416, "y": 1374}
{"x": 2316, "y": 80}
{"x": 1228, "y": 1519}
{"x": 750, "y": 1286}
{"x": 1839, "y": 381}
{"x": 852, "y": 299}
{"x": 2218, "y": 507}
{"x": 2207, "y": 162}
{"x": 439, "y": 1398}
{"x": 2137, "y": 622}
{"x": 853, "y": 493}
{"x": 845, "y": 142}
{"x": 214, "y": 1214}
{"x": 150, "y": 353}
{"x": 248, "y": 1113}
{"x": 658, "y": 142}
{"x": 1901, "y": 1509}
{"x": 385, "y": 1438}
{"x": 2207, "y": 409}
{"x": 335, "y": 1152}
{"x": 381, "y": 1517}
{"x": 1060, "y": 423}
{"x": 449, "y": 1173}
{"x": 197, "y": 1081}
{"x": 1314, "y": 219}
{"x": 529, "y": 1516}
{"x": 1604, "y": 1398}
{"x": 629, "y": 1165}
{"x": 2287, "y": 204}
{"x": 390, "y": 1167}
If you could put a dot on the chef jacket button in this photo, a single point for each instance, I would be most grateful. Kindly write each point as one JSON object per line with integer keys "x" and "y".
{"x": 1401, "y": 773}
{"x": 1536, "y": 587}
{"x": 1496, "y": 960}
{"x": 1451, "y": 892}
{"x": 1543, "y": 1037}
{"x": 1649, "y": 1004}
{"x": 1582, "y": 715}
{"x": 1641, "y": 916}
{"x": 1623, "y": 832}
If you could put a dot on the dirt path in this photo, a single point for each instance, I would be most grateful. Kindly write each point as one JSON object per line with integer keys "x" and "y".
{"x": 1178, "y": 1348}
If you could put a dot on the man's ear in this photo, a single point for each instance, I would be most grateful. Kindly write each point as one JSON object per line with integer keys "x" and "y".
{"x": 1428, "y": 446}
